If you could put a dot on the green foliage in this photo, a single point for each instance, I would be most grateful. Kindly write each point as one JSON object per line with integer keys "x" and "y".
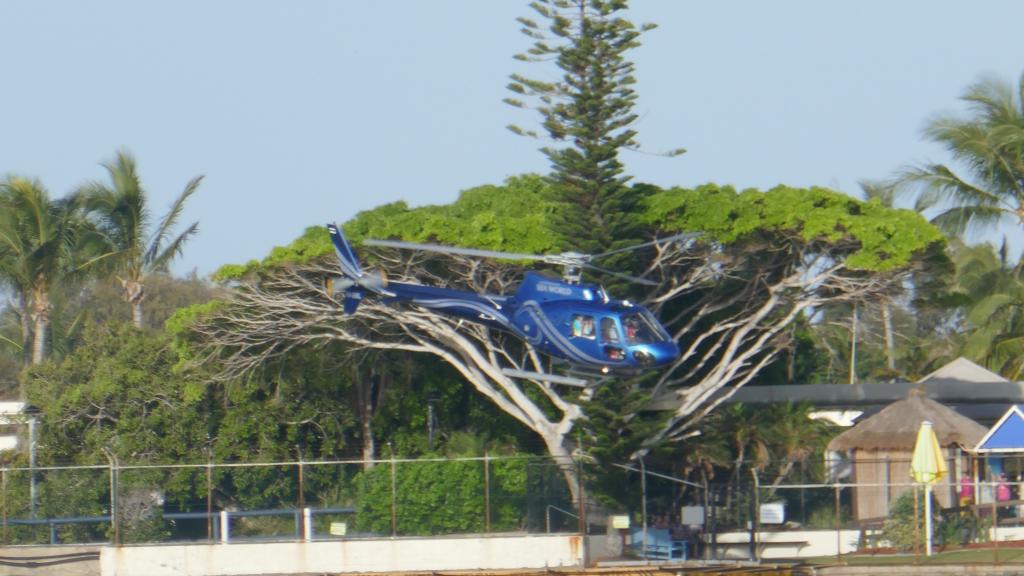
{"x": 515, "y": 216}
{"x": 822, "y": 515}
{"x": 441, "y": 497}
{"x": 43, "y": 243}
{"x": 903, "y": 527}
{"x": 993, "y": 304}
{"x": 800, "y": 358}
{"x": 120, "y": 392}
{"x": 989, "y": 145}
{"x": 165, "y": 295}
{"x": 873, "y": 237}
{"x": 129, "y": 247}
{"x": 182, "y": 318}
{"x": 117, "y": 391}
{"x": 412, "y": 384}
{"x": 617, "y": 429}
{"x": 959, "y": 528}
{"x": 590, "y": 108}
{"x": 314, "y": 243}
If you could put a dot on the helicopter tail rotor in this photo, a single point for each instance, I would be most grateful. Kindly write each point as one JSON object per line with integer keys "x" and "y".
{"x": 353, "y": 284}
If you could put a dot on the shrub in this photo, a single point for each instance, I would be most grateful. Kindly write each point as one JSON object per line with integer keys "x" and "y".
{"x": 899, "y": 529}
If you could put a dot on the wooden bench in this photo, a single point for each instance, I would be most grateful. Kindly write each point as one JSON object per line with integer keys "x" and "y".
{"x": 762, "y": 545}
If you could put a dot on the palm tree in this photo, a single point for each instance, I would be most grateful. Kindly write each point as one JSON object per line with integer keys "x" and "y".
{"x": 37, "y": 238}
{"x": 793, "y": 438}
{"x": 994, "y": 290}
{"x": 121, "y": 213}
{"x": 990, "y": 144}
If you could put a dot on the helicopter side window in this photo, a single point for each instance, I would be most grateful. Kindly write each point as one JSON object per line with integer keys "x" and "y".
{"x": 582, "y": 326}
{"x": 609, "y": 332}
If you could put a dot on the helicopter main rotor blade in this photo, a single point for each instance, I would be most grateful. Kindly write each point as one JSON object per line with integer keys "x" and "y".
{"x": 656, "y": 241}
{"x": 454, "y": 250}
{"x": 634, "y": 279}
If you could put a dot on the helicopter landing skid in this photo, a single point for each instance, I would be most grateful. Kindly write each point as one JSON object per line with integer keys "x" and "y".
{"x": 552, "y": 378}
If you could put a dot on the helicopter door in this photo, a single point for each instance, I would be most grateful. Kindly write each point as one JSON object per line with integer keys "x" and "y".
{"x": 610, "y": 338}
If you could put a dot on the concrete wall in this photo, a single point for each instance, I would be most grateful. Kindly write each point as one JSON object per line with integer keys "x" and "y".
{"x": 789, "y": 544}
{"x": 334, "y": 556}
{"x": 61, "y": 560}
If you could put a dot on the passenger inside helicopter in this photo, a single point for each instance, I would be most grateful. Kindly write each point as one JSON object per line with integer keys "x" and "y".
{"x": 638, "y": 329}
{"x": 583, "y": 326}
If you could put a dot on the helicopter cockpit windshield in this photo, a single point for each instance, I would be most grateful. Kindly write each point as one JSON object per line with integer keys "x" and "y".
{"x": 641, "y": 329}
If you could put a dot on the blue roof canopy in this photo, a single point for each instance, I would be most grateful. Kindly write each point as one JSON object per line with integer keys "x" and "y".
{"x": 1007, "y": 435}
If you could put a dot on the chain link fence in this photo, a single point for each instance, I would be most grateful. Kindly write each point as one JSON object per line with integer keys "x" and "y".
{"x": 283, "y": 500}
{"x": 780, "y": 509}
{"x": 746, "y": 512}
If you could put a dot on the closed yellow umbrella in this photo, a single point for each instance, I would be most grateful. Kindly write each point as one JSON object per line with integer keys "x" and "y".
{"x": 927, "y": 467}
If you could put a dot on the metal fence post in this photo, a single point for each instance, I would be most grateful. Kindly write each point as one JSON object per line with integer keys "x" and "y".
{"x": 4, "y": 481}
{"x": 33, "y": 490}
{"x": 803, "y": 492}
{"x": 487, "y": 493}
{"x": 394, "y": 498}
{"x": 839, "y": 539}
{"x": 995, "y": 525}
{"x": 755, "y": 513}
{"x": 209, "y": 500}
{"x": 643, "y": 507}
{"x": 302, "y": 483}
{"x": 307, "y": 524}
{"x": 225, "y": 527}
{"x": 115, "y": 523}
{"x": 706, "y": 528}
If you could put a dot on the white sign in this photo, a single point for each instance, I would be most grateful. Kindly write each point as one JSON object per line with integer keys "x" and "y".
{"x": 773, "y": 513}
{"x": 620, "y": 522}
{"x": 339, "y": 528}
{"x": 693, "y": 515}
{"x": 9, "y": 442}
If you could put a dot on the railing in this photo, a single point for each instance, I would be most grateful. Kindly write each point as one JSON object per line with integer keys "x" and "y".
{"x": 547, "y": 516}
{"x": 303, "y": 520}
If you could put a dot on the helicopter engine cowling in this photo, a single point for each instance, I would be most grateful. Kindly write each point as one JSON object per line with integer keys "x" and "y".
{"x": 373, "y": 280}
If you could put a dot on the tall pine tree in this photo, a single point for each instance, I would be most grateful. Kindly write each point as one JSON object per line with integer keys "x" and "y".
{"x": 588, "y": 113}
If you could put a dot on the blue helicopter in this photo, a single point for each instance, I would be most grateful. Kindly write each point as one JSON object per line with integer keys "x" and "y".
{"x": 566, "y": 318}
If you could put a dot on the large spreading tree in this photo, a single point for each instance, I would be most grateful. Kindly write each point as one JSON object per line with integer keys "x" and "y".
{"x": 765, "y": 258}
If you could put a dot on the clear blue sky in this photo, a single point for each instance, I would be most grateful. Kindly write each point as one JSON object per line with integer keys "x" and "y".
{"x": 308, "y": 111}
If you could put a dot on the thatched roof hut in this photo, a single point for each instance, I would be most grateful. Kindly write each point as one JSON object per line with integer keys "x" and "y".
{"x": 881, "y": 447}
{"x": 895, "y": 427}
